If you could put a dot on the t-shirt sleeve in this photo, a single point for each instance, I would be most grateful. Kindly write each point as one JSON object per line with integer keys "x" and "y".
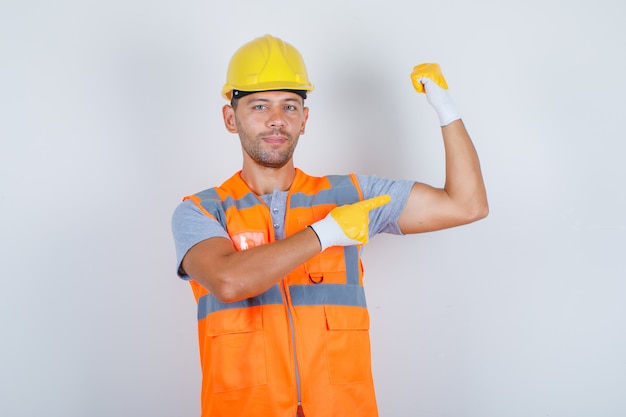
{"x": 385, "y": 218}
{"x": 189, "y": 227}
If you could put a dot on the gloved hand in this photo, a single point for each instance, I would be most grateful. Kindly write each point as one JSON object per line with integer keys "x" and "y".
{"x": 347, "y": 225}
{"x": 428, "y": 78}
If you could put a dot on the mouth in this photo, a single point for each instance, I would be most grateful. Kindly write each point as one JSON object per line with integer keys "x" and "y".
{"x": 274, "y": 139}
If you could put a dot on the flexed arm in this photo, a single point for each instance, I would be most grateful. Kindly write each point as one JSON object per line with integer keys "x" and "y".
{"x": 463, "y": 199}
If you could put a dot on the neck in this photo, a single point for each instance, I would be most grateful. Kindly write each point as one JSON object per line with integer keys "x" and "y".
{"x": 263, "y": 180}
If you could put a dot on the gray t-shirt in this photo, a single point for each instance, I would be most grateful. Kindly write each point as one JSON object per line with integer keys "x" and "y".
{"x": 190, "y": 226}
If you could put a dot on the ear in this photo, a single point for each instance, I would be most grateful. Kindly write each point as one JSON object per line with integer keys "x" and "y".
{"x": 306, "y": 117}
{"x": 228, "y": 113}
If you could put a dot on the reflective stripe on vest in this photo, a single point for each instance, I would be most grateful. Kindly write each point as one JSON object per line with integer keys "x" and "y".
{"x": 342, "y": 192}
{"x": 349, "y": 294}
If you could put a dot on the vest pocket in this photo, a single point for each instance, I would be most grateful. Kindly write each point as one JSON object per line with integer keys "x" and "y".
{"x": 237, "y": 349}
{"x": 348, "y": 344}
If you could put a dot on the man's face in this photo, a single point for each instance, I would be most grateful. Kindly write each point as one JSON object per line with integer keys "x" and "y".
{"x": 269, "y": 124}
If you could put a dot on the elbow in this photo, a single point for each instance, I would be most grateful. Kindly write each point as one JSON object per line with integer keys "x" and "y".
{"x": 472, "y": 211}
{"x": 223, "y": 296}
{"x": 478, "y": 211}
{"x": 224, "y": 288}
{"x": 484, "y": 212}
{"x": 227, "y": 292}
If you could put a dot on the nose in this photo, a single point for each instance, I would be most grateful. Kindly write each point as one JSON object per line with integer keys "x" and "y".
{"x": 276, "y": 118}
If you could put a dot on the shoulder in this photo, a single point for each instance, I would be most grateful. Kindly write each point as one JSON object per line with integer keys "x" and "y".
{"x": 188, "y": 211}
{"x": 373, "y": 186}
{"x": 190, "y": 224}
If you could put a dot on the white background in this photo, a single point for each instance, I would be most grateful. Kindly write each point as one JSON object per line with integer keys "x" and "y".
{"x": 110, "y": 114}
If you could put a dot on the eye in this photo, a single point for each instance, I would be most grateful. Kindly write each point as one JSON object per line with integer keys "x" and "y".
{"x": 290, "y": 107}
{"x": 260, "y": 107}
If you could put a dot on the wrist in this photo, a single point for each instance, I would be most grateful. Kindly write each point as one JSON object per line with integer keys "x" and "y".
{"x": 329, "y": 233}
{"x": 442, "y": 102}
{"x": 325, "y": 229}
{"x": 316, "y": 235}
{"x": 446, "y": 109}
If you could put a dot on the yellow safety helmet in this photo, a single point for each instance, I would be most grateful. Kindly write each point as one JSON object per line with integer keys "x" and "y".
{"x": 266, "y": 63}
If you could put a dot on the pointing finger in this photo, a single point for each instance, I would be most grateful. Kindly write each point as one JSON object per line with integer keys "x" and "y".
{"x": 375, "y": 202}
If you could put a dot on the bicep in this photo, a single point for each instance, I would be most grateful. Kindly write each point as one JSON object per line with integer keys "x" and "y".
{"x": 385, "y": 219}
{"x": 428, "y": 209}
{"x": 189, "y": 227}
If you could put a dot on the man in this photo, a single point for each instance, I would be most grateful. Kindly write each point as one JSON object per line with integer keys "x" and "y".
{"x": 273, "y": 255}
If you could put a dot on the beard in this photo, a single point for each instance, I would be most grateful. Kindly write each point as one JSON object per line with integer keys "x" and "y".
{"x": 265, "y": 154}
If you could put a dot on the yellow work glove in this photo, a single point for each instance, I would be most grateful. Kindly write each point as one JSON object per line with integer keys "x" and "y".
{"x": 347, "y": 225}
{"x": 427, "y": 78}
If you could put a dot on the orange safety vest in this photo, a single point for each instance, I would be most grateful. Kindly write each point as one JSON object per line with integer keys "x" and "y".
{"x": 305, "y": 339}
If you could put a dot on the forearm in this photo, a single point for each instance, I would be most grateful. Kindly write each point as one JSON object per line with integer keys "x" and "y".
{"x": 235, "y": 275}
{"x": 231, "y": 276}
{"x": 463, "y": 198}
{"x": 464, "y": 181}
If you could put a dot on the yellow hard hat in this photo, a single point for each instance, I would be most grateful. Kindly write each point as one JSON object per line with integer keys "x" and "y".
{"x": 266, "y": 63}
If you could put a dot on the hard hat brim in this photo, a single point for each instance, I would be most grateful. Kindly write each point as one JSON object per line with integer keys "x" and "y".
{"x": 227, "y": 91}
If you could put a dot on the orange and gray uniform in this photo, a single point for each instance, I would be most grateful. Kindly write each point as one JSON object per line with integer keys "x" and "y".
{"x": 306, "y": 339}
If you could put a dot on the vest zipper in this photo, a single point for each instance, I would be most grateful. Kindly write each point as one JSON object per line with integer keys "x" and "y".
{"x": 293, "y": 338}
